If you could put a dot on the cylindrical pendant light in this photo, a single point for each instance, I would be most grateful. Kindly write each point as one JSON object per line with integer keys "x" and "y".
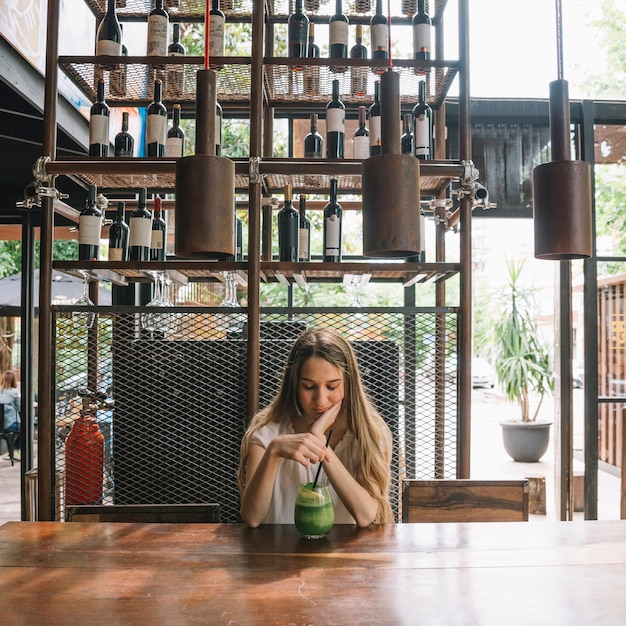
{"x": 205, "y": 183}
{"x": 562, "y": 188}
{"x": 205, "y": 187}
{"x": 391, "y": 185}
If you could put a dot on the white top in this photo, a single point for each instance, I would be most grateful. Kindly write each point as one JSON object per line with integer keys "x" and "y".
{"x": 291, "y": 474}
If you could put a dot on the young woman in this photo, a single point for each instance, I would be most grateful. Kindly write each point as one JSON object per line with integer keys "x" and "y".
{"x": 10, "y": 398}
{"x": 321, "y": 390}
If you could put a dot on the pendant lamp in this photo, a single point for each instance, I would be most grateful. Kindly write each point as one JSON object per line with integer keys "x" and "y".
{"x": 562, "y": 187}
{"x": 205, "y": 183}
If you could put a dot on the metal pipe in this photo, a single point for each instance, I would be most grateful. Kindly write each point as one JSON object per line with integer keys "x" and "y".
{"x": 45, "y": 492}
{"x": 465, "y": 244}
{"x": 27, "y": 333}
{"x": 254, "y": 223}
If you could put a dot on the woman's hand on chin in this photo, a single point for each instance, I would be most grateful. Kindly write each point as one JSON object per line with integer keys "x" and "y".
{"x": 321, "y": 425}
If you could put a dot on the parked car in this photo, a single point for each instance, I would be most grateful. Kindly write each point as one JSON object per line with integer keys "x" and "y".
{"x": 483, "y": 374}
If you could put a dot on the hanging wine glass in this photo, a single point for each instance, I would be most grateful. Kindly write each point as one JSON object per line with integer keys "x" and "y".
{"x": 84, "y": 319}
{"x": 152, "y": 321}
{"x": 357, "y": 320}
{"x": 228, "y": 321}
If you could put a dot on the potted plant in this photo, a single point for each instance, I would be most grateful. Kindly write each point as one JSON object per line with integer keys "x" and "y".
{"x": 523, "y": 369}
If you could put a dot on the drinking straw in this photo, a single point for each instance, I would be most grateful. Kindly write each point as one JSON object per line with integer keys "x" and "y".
{"x": 319, "y": 469}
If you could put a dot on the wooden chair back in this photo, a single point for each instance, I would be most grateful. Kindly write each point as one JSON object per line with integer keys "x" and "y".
{"x": 465, "y": 500}
{"x": 145, "y": 513}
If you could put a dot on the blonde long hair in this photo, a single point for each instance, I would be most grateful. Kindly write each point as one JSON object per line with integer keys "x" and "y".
{"x": 372, "y": 435}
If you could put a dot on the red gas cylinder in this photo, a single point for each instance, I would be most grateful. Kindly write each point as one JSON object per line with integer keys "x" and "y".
{"x": 84, "y": 462}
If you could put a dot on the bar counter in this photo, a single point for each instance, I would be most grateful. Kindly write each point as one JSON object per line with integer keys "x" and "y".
{"x": 455, "y": 574}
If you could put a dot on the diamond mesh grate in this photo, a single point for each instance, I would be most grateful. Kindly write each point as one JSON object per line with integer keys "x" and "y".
{"x": 176, "y": 409}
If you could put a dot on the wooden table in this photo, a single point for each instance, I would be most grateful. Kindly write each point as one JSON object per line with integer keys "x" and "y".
{"x": 539, "y": 573}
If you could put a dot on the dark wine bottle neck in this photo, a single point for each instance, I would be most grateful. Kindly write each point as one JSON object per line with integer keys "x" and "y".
{"x": 121, "y": 206}
{"x": 158, "y": 91}
{"x": 333, "y": 190}
{"x": 420, "y": 6}
{"x": 379, "y": 7}
{"x": 111, "y": 8}
{"x": 338, "y": 7}
{"x": 100, "y": 91}
{"x": 335, "y": 90}
{"x": 313, "y": 123}
{"x": 91, "y": 197}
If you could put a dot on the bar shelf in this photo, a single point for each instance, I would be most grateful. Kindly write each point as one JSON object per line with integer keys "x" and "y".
{"x": 182, "y": 271}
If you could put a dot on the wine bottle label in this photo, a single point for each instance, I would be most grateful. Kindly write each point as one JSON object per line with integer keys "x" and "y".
{"x": 422, "y": 136}
{"x": 156, "y": 129}
{"x": 174, "y": 147}
{"x": 157, "y": 35}
{"x": 379, "y": 36}
{"x": 335, "y": 120}
{"x": 99, "y": 129}
{"x": 156, "y": 240}
{"x": 299, "y": 32}
{"x": 108, "y": 47}
{"x": 115, "y": 254}
{"x": 216, "y": 33}
{"x": 338, "y": 33}
{"x": 421, "y": 39}
{"x": 361, "y": 147}
{"x": 374, "y": 130}
{"x": 303, "y": 244}
{"x": 218, "y": 130}
{"x": 333, "y": 232}
{"x": 140, "y": 231}
{"x": 89, "y": 230}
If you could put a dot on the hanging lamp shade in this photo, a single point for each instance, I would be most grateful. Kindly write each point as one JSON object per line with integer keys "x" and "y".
{"x": 562, "y": 191}
{"x": 205, "y": 186}
{"x": 391, "y": 185}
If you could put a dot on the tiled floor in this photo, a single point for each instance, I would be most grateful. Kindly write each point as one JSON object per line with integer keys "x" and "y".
{"x": 489, "y": 461}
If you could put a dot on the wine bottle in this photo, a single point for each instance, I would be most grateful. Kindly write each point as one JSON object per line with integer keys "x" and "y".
{"x": 374, "y": 115}
{"x": 99, "y": 117}
{"x": 297, "y": 34}
{"x": 332, "y": 226}
{"x": 124, "y": 142}
{"x": 335, "y": 125}
{"x": 406, "y": 141}
{"x": 312, "y": 72}
{"x": 156, "y": 124}
{"x": 175, "y": 73}
{"x": 158, "y": 233}
{"x": 358, "y": 75}
{"x": 219, "y": 116}
{"x": 361, "y": 141}
{"x": 118, "y": 235}
{"x": 304, "y": 232}
{"x": 118, "y": 74}
{"x": 423, "y": 125}
{"x": 89, "y": 227}
{"x": 378, "y": 34}
{"x": 217, "y": 25}
{"x": 175, "y": 141}
{"x": 158, "y": 27}
{"x": 288, "y": 225}
{"x": 338, "y": 36}
{"x": 313, "y": 142}
{"x": 140, "y": 230}
{"x": 421, "y": 36}
{"x": 109, "y": 35}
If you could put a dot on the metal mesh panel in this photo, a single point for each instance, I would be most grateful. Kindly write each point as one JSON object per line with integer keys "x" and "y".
{"x": 176, "y": 380}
